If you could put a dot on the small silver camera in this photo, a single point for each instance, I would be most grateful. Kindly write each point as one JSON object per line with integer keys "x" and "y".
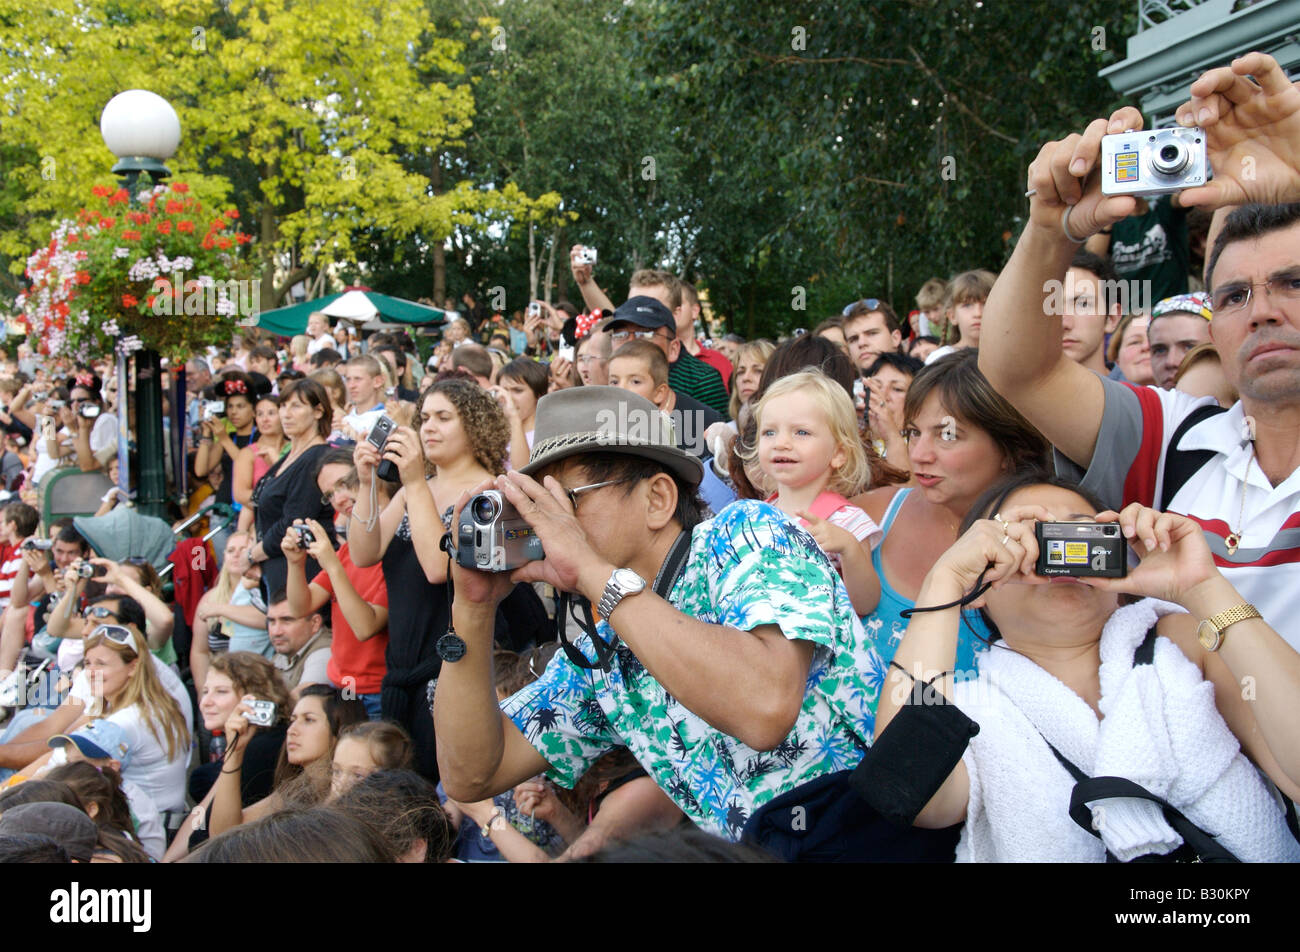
{"x": 534, "y": 309}
{"x": 1154, "y": 162}
{"x": 213, "y": 409}
{"x": 90, "y": 410}
{"x": 493, "y": 537}
{"x": 586, "y": 256}
{"x": 42, "y": 545}
{"x": 262, "y": 713}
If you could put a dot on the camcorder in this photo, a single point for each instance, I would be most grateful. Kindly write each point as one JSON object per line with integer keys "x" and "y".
{"x": 41, "y": 545}
{"x": 379, "y": 434}
{"x": 213, "y": 409}
{"x": 493, "y": 537}
{"x": 1081, "y": 550}
{"x": 305, "y": 536}
{"x": 90, "y": 410}
{"x": 585, "y": 256}
{"x": 1154, "y": 162}
{"x": 86, "y": 570}
{"x": 262, "y": 713}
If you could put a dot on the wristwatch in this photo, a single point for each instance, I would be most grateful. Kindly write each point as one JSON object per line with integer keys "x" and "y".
{"x": 1210, "y": 632}
{"x": 621, "y": 584}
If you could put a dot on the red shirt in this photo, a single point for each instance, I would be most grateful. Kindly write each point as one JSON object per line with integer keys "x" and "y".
{"x": 11, "y": 559}
{"x": 719, "y": 362}
{"x": 354, "y": 664}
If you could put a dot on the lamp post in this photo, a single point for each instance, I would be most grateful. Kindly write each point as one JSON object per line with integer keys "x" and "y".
{"x": 142, "y": 130}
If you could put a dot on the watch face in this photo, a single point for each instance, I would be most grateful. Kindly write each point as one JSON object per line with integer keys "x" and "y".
{"x": 628, "y": 581}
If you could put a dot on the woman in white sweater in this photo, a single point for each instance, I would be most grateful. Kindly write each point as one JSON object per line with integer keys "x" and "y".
{"x": 1199, "y": 723}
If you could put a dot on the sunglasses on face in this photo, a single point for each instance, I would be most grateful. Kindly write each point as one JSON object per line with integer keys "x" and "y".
{"x": 98, "y": 611}
{"x": 116, "y": 634}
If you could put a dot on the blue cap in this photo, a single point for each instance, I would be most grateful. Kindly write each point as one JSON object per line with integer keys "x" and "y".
{"x": 98, "y": 740}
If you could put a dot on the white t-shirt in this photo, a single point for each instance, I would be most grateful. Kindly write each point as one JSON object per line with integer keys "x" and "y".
{"x": 103, "y": 436}
{"x": 362, "y": 423}
{"x": 44, "y": 461}
{"x": 319, "y": 344}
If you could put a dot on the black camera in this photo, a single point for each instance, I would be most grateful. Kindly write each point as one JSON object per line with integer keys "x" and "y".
{"x": 379, "y": 433}
{"x": 305, "y": 536}
{"x": 1081, "y": 550}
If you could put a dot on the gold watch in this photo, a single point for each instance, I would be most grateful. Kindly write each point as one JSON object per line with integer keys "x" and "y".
{"x": 1210, "y": 632}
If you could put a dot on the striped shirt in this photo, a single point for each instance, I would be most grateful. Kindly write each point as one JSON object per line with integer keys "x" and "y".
{"x": 1129, "y": 466}
{"x": 695, "y": 378}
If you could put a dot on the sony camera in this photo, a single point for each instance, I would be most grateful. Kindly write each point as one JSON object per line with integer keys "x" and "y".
{"x": 379, "y": 433}
{"x": 1081, "y": 549}
{"x": 262, "y": 713}
{"x": 42, "y": 545}
{"x": 305, "y": 536}
{"x": 493, "y": 537}
{"x": 1154, "y": 162}
{"x": 90, "y": 410}
{"x": 586, "y": 256}
{"x": 86, "y": 570}
{"x": 213, "y": 409}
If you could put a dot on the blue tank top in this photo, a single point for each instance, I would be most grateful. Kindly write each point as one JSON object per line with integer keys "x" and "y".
{"x": 242, "y": 637}
{"x": 886, "y": 625}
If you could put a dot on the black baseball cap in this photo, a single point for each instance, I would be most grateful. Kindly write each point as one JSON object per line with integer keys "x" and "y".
{"x": 643, "y": 311}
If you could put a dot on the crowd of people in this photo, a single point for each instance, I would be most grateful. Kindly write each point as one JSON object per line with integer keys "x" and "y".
{"x": 740, "y": 599}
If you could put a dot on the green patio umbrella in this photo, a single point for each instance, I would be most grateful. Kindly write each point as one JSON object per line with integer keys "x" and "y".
{"x": 355, "y": 304}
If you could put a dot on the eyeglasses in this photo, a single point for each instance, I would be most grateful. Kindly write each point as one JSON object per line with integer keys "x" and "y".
{"x": 1236, "y": 297}
{"x": 327, "y": 497}
{"x": 589, "y": 359}
{"x": 99, "y": 611}
{"x": 619, "y": 337}
{"x": 116, "y": 634}
{"x": 573, "y": 493}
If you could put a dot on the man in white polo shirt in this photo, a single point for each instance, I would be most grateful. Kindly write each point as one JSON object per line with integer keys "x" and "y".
{"x": 1234, "y": 472}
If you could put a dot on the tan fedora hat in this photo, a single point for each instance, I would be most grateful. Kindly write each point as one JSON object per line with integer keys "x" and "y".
{"x": 580, "y": 420}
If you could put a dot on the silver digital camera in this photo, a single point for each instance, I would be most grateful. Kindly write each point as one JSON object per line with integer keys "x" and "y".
{"x": 213, "y": 409}
{"x": 262, "y": 713}
{"x": 1154, "y": 162}
{"x": 586, "y": 256}
{"x": 89, "y": 410}
{"x": 493, "y": 537}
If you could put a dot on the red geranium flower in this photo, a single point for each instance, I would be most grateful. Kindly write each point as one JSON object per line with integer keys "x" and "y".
{"x": 242, "y": 238}
{"x": 223, "y": 243}
{"x": 83, "y": 277}
{"x": 164, "y": 228}
{"x": 180, "y": 187}
{"x": 207, "y": 242}
{"x": 119, "y": 197}
{"x": 185, "y": 225}
{"x": 101, "y": 191}
{"x": 107, "y": 222}
{"x": 150, "y": 299}
{"x": 217, "y": 225}
{"x": 232, "y": 213}
{"x": 130, "y": 235}
{"x": 173, "y": 206}
{"x": 129, "y": 300}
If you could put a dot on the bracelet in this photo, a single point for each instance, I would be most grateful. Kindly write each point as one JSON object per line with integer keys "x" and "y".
{"x": 930, "y": 683}
{"x": 486, "y": 829}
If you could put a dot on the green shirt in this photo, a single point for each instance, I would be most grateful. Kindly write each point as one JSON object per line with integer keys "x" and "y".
{"x": 693, "y": 377}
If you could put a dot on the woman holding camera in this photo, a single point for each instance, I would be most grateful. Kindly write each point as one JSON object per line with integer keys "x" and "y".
{"x": 304, "y": 772}
{"x": 462, "y": 433}
{"x": 225, "y": 433}
{"x": 1077, "y": 687}
{"x": 231, "y": 678}
{"x": 231, "y": 615}
{"x": 95, "y": 429}
{"x": 288, "y": 490}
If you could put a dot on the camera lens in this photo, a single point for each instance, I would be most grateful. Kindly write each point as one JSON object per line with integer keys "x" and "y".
{"x": 1111, "y": 530}
{"x": 484, "y": 508}
{"x": 1171, "y": 158}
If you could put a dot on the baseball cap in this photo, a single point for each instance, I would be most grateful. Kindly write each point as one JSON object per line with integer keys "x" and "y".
{"x": 97, "y": 740}
{"x": 1197, "y": 304}
{"x": 643, "y": 311}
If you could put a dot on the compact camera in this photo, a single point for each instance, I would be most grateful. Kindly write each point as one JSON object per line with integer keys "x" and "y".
{"x": 41, "y": 545}
{"x": 90, "y": 410}
{"x": 534, "y": 309}
{"x": 58, "y": 404}
{"x": 213, "y": 409}
{"x": 305, "y": 536}
{"x": 39, "y": 395}
{"x": 1081, "y": 549}
{"x": 1154, "y": 162}
{"x": 86, "y": 570}
{"x": 262, "y": 713}
{"x": 493, "y": 537}
{"x": 586, "y": 256}
{"x": 379, "y": 434}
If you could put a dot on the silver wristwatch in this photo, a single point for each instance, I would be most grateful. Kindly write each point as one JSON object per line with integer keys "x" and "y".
{"x": 622, "y": 583}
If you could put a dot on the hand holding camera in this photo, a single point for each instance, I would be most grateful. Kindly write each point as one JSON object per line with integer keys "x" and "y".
{"x": 404, "y": 455}
{"x": 582, "y": 262}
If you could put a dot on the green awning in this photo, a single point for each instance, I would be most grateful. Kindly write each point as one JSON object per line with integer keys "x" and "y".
{"x": 355, "y": 304}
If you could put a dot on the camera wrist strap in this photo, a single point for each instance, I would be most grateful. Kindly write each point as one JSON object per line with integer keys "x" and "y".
{"x": 979, "y": 589}
{"x": 669, "y": 572}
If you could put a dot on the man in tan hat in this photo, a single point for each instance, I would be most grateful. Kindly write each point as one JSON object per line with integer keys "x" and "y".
{"x": 728, "y": 659}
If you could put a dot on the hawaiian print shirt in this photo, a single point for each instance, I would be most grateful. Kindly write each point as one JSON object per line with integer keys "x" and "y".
{"x": 747, "y": 567}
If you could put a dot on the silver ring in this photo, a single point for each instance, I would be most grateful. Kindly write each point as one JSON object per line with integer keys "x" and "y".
{"x": 1031, "y": 193}
{"x": 1065, "y": 226}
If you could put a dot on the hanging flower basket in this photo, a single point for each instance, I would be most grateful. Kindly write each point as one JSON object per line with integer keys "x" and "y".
{"x": 164, "y": 271}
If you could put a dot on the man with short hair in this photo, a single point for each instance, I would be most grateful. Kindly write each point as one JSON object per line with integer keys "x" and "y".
{"x": 326, "y": 357}
{"x": 365, "y": 383}
{"x": 474, "y": 359}
{"x": 686, "y": 373}
{"x": 687, "y": 315}
{"x": 737, "y": 670}
{"x": 1177, "y": 325}
{"x": 301, "y": 643}
{"x": 871, "y": 329}
{"x": 1090, "y": 310}
{"x": 263, "y": 360}
{"x": 1233, "y": 471}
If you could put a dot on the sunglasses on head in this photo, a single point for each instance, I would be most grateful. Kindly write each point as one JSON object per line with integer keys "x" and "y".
{"x": 116, "y": 634}
{"x": 872, "y": 304}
